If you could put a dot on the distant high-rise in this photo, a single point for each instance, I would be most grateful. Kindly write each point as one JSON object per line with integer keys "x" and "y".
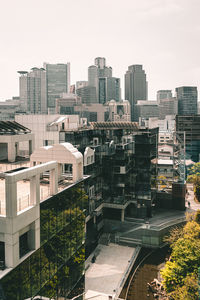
{"x": 164, "y": 94}
{"x": 109, "y": 89}
{"x": 187, "y": 100}
{"x": 81, "y": 84}
{"x": 100, "y": 77}
{"x": 87, "y": 94}
{"x": 168, "y": 106}
{"x": 32, "y": 90}
{"x": 135, "y": 86}
{"x": 58, "y": 82}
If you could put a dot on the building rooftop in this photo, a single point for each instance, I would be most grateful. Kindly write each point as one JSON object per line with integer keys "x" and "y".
{"x": 115, "y": 125}
{"x": 106, "y": 274}
{"x": 12, "y": 127}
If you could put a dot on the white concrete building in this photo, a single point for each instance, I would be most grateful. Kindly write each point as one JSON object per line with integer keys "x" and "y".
{"x": 12, "y": 135}
{"x": 20, "y": 216}
{"x": 46, "y": 128}
{"x": 119, "y": 111}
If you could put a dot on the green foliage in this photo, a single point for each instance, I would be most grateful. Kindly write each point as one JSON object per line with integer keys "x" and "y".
{"x": 197, "y": 216}
{"x": 189, "y": 290}
{"x": 185, "y": 258}
{"x": 174, "y": 235}
{"x": 195, "y": 169}
{"x": 194, "y": 177}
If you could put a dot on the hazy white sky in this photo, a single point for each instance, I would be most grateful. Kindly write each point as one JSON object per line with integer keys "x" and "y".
{"x": 163, "y": 35}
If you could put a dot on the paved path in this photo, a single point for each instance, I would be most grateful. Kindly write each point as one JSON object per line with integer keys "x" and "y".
{"x": 190, "y": 199}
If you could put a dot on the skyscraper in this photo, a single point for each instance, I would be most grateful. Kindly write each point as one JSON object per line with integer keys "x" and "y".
{"x": 32, "y": 90}
{"x": 109, "y": 89}
{"x": 135, "y": 86}
{"x": 58, "y": 82}
{"x": 100, "y": 77}
{"x": 187, "y": 100}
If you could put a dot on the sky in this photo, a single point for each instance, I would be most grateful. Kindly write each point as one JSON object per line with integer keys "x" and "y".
{"x": 162, "y": 35}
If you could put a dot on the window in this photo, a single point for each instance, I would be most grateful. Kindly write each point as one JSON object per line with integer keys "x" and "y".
{"x": 23, "y": 244}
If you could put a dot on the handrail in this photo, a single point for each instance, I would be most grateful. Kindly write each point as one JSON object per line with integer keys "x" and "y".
{"x": 136, "y": 271}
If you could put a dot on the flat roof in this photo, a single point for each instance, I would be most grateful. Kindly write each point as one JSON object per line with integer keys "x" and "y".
{"x": 105, "y": 275}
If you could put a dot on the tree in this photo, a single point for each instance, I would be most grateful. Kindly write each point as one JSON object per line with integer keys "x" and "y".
{"x": 188, "y": 291}
{"x": 195, "y": 169}
{"x": 184, "y": 260}
{"x": 197, "y": 216}
{"x": 194, "y": 177}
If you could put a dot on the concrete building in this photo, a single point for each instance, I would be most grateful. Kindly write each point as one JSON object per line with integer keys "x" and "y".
{"x": 42, "y": 235}
{"x": 66, "y": 102}
{"x": 58, "y": 82}
{"x": 146, "y": 110}
{"x": 119, "y": 111}
{"x": 163, "y": 94}
{"x": 187, "y": 100}
{"x": 47, "y": 128}
{"x": 168, "y": 124}
{"x": 8, "y": 109}
{"x": 33, "y": 90}
{"x": 167, "y": 106}
{"x": 12, "y": 135}
{"x": 135, "y": 86}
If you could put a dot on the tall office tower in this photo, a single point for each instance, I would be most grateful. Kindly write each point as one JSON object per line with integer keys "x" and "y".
{"x": 87, "y": 94}
{"x": 113, "y": 89}
{"x": 97, "y": 71}
{"x": 32, "y": 90}
{"x": 135, "y": 86}
{"x": 164, "y": 94}
{"x": 58, "y": 82}
{"x": 109, "y": 89}
{"x": 187, "y": 100}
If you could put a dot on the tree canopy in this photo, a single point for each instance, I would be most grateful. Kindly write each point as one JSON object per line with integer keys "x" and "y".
{"x": 181, "y": 270}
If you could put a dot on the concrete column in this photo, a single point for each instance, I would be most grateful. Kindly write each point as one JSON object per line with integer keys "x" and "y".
{"x": 53, "y": 181}
{"x": 35, "y": 190}
{"x": 31, "y": 146}
{"x": 11, "y": 152}
{"x": 11, "y": 197}
{"x": 17, "y": 148}
{"x": 59, "y": 171}
{"x": 122, "y": 215}
{"x": 77, "y": 171}
{"x": 11, "y": 250}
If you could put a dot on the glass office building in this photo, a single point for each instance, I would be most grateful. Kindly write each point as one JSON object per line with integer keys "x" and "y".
{"x": 56, "y": 269}
{"x": 58, "y": 81}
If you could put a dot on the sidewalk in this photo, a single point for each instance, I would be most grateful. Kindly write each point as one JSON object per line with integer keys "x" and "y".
{"x": 190, "y": 198}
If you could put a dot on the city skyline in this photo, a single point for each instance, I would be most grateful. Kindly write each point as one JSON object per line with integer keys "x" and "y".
{"x": 163, "y": 36}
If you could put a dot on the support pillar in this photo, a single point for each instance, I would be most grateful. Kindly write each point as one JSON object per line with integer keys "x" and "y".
{"x": 53, "y": 181}
{"x": 11, "y": 250}
{"x": 11, "y": 152}
{"x": 122, "y": 215}
{"x": 11, "y": 197}
{"x": 35, "y": 190}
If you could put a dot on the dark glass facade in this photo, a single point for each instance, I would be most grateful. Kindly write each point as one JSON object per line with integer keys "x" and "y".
{"x": 57, "y": 82}
{"x": 56, "y": 269}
